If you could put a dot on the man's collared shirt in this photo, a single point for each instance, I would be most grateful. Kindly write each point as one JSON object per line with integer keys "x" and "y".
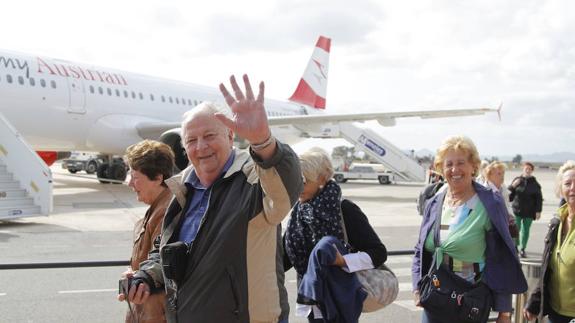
{"x": 199, "y": 203}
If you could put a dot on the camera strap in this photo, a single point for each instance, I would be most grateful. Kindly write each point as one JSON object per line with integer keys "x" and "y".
{"x": 132, "y": 311}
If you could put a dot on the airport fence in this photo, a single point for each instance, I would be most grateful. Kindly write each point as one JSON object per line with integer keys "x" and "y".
{"x": 520, "y": 299}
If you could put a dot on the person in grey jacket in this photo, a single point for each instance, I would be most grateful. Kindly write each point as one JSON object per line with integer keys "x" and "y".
{"x": 201, "y": 259}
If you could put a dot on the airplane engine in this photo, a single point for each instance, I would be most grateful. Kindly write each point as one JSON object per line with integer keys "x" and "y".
{"x": 173, "y": 138}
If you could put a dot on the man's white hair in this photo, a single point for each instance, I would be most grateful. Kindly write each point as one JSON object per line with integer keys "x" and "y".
{"x": 206, "y": 107}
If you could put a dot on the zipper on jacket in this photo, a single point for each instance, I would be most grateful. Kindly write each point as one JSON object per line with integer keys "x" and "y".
{"x": 235, "y": 293}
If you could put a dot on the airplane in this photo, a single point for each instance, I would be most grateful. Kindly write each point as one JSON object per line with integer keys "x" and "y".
{"x": 60, "y": 106}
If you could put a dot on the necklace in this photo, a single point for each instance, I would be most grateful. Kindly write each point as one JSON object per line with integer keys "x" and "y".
{"x": 458, "y": 201}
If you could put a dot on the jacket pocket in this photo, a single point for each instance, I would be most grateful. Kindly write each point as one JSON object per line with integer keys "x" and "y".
{"x": 230, "y": 271}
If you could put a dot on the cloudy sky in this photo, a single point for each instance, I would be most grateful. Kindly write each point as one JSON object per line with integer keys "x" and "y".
{"x": 386, "y": 56}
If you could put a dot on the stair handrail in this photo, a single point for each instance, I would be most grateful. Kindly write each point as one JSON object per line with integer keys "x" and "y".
{"x": 404, "y": 167}
{"x": 26, "y": 166}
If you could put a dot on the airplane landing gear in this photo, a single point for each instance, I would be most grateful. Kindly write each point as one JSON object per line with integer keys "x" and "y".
{"x": 112, "y": 172}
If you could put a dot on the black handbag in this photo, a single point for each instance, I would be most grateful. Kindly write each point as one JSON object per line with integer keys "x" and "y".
{"x": 450, "y": 298}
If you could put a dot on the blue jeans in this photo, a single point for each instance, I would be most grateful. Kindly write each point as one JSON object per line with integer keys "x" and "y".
{"x": 286, "y": 320}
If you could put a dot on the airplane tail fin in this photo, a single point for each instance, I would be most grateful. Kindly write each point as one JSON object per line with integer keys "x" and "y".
{"x": 312, "y": 87}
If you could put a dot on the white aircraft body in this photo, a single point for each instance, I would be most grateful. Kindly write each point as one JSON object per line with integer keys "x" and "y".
{"x": 64, "y": 106}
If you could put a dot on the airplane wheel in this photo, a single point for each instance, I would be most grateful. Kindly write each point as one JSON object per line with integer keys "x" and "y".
{"x": 72, "y": 171}
{"x": 383, "y": 180}
{"x": 102, "y": 173}
{"x": 118, "y": 172}
{"x": 91, "y": 168}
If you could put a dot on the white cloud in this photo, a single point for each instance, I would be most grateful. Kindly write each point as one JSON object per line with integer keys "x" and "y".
{"x": 388, "y": 55}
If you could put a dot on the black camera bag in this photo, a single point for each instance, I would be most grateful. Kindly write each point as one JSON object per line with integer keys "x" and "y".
{"x": 174, "y": 260}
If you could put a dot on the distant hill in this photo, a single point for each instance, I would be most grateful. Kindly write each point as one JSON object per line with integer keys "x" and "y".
{"x": 559, "y": 157}
{"x": 424, "y": 152}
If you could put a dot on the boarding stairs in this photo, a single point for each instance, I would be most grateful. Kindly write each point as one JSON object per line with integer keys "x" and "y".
{"x": 25, "y": 180}
{"x": 367, "y": 139}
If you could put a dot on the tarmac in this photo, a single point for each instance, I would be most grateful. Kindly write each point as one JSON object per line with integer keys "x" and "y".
{"x": 93, "y": 222}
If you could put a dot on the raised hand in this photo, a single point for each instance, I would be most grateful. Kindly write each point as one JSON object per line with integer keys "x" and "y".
{"x": 249, "y": 119}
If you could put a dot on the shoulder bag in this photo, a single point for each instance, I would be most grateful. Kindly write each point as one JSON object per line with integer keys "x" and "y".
{"x": 450, "y": 298}
{"x": 379, "y": 283}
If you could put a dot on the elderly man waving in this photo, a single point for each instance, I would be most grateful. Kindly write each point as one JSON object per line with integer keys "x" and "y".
{"x": 204, "y": 253}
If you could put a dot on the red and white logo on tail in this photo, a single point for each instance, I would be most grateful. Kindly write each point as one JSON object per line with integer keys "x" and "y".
{"x": 312, "y": 87}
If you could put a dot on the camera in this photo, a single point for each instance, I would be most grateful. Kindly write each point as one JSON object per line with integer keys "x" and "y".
{"x": 124, "y": 285}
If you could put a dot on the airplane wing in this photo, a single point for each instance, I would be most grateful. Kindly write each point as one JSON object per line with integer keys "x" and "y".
{"x": 151, "y": 129}
{"x": 384, "y": 118}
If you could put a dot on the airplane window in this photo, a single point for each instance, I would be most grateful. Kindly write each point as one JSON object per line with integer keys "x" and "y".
{"x": 171, "y": 101}
{"x": 92, "y": 89}
{"x": 8, "y": 78}
{"x": 42, "y": 83}
{"x": 163, "y": 99}
{"x": 177, "y": 101}
{"x": 117, "y": 92}
{"x": 195, "y": 102}
{"x": 32, "y": 81}
{"x": 125, "y": 93}
{"x": 53, "y": 84}
{"x": 100, "y": 90}
{"x": 183, "y": 101}
{"x": 141, "y": 96}
{"x": 109, "y": 91}
{"x": 21, "y": 80}
{"x": 151, "y": 97}
{"x": 133, "y": 95}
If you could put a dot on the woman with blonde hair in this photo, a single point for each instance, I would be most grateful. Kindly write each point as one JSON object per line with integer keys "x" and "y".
{"x": 494, "y": 179}
{"x": 554, "y": 295}
{"x": 465, "y": 233}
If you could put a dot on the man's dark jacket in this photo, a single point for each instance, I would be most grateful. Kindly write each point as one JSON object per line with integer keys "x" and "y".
{"x": 214, "y": 288}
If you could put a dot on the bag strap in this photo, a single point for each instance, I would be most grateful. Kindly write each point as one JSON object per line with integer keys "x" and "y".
{"x": 342, "y": 223}
{"x": 382, "y": 266}
{"x": 436, "y": 242}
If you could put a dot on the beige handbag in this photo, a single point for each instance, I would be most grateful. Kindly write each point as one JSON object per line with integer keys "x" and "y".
{"x": 380, "y": 284}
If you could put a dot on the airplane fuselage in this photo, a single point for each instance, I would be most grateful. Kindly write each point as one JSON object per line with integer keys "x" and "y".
{"x": 62, "y": 106}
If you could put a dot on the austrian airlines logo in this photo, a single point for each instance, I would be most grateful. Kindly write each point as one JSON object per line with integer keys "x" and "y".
{"x": 15, "y": 64}
{"x": 321, "y": 68}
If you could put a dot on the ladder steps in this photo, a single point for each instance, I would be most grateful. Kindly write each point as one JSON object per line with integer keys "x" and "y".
{"x": 16, "y": 202}
{"x": 18, "y": 212}
{"x": 6, "y": 185}
{"x": 12, "y": 193}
